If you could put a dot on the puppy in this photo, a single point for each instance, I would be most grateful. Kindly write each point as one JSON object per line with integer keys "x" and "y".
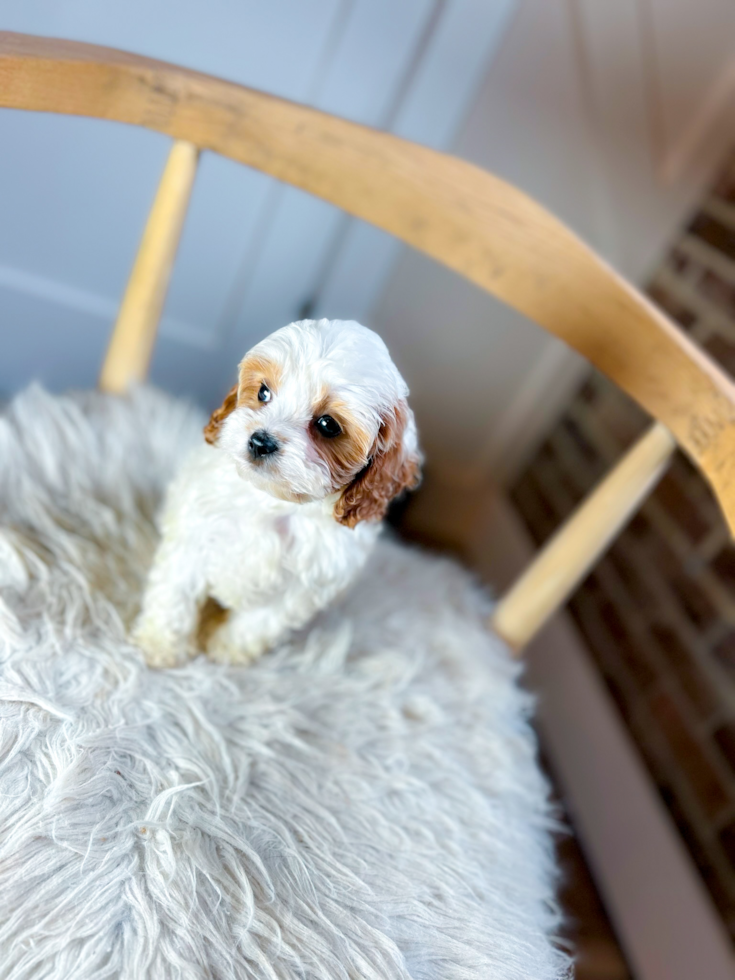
{"x": 277, "y": 512}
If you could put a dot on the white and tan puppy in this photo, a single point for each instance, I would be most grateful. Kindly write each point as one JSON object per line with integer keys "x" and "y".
{"x": 278, "y": 511}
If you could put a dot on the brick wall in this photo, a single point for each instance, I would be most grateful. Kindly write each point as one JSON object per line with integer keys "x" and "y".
{"x": 658, "y": 612}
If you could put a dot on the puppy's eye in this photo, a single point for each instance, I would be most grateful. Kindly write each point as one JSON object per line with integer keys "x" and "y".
{"x": 328, "y": 426}
{"x": 264, "y": 395}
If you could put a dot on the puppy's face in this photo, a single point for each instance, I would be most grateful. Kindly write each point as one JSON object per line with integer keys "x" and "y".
{"x": 320, "y": 409}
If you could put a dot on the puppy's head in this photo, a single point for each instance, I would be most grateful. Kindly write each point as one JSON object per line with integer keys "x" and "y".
{"x": 320, "y": 409}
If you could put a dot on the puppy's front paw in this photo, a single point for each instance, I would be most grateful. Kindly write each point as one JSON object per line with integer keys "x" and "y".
{"x": 227, "y": 646}
{"x": 159, "y": 650}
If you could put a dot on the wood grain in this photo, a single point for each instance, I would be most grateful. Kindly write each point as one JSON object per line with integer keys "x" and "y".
{"x": 472, "y": 222}
{"x": 131, "y": 346}
{"x": 562, "y": 564}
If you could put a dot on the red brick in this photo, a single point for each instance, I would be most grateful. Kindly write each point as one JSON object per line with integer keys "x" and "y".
{"x": 683, "y": 824}
{"x": 724, "y": 566}
{"x": 715, "y": 233}
{"x": 534, "y": 510}
{"x": 718, "y": 291}
{"x": 543, "y": 482}
{"x": 625, "y": 704}
{"x": 693, "y": 681}
{"x": 619, "y": 419}
{"x": 592, "y": 585}
{"x": 724, "y": 650}
{"x": 662, "y": 555}
{"x": 725, "y": 739}
{"x": 699, "y": 493}
{"x": 583, "y": 608}
{"x": 720, "y": 888}
{"x": 671, "y": 305}
{"x": 723, "y": 351}
{"x": 586, "y": 448}
{"x": 570, "y": 488}
{"x": 674, "y": 499}
{"x": 689, "y": 756}
{"x": 657, "y": 763}
{"x": 727, "y": 841}
{"x": 547, "y": 453}
{"x": 679, "y": 261}
{"x": 639, "y": 527}
{"x": 632, "y": 653}
{"x": 699, "y": 847}
{"x": 630, "y": 573}
{"x": 694, "y": 601}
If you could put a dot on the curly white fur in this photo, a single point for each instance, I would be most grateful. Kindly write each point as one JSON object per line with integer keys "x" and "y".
{"x": 363, "y": 802}
{"x": 258, "y": 533}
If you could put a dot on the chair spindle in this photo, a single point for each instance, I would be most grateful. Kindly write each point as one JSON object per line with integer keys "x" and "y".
{"x": 570, "y": 554}
{"x": 131, "y": 345}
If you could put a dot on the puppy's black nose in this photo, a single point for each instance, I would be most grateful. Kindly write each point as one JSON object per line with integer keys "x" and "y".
{"x": 262, "y": 443}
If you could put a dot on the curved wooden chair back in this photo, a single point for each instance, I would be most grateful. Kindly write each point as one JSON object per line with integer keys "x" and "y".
{"x": 465, "y": 218}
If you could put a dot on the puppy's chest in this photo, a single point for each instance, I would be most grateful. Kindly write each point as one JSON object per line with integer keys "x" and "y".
{"x": 279, "y": 549}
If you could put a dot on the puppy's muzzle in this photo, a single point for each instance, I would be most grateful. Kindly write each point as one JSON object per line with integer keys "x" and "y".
{"x": 262, "y": 444}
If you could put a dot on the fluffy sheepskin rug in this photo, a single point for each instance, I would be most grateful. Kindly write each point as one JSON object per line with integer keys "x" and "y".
{"x": 364, "y": 802}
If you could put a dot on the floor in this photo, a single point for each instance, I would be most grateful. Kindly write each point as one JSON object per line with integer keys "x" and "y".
{"x": 597, "y": 951}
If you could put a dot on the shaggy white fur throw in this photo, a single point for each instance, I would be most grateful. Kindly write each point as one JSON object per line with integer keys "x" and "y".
{"x": 364, "y": 802}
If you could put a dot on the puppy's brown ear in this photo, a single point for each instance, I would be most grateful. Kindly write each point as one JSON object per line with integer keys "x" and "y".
{"x": 391, "y": 469}
{"x": 211, "y": 429}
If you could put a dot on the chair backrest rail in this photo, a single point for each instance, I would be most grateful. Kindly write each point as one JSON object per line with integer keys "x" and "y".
{"x": 131, "y": 344}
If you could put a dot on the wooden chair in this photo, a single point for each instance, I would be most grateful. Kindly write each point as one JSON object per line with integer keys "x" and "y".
{"x": 483, "y": 228}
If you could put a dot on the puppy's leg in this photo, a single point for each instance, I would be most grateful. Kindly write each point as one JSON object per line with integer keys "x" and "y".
{"x": 245, "y": 636}
{"x": 249, "y": 633}
{"x": 166, "y": 627}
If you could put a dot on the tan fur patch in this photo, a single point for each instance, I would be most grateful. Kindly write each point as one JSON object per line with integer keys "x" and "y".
{"x": 254, "y": 371}
{"x": 347, "y": 453}
{"x": 211, "y": 429}
{"x": 388, "y": 473}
